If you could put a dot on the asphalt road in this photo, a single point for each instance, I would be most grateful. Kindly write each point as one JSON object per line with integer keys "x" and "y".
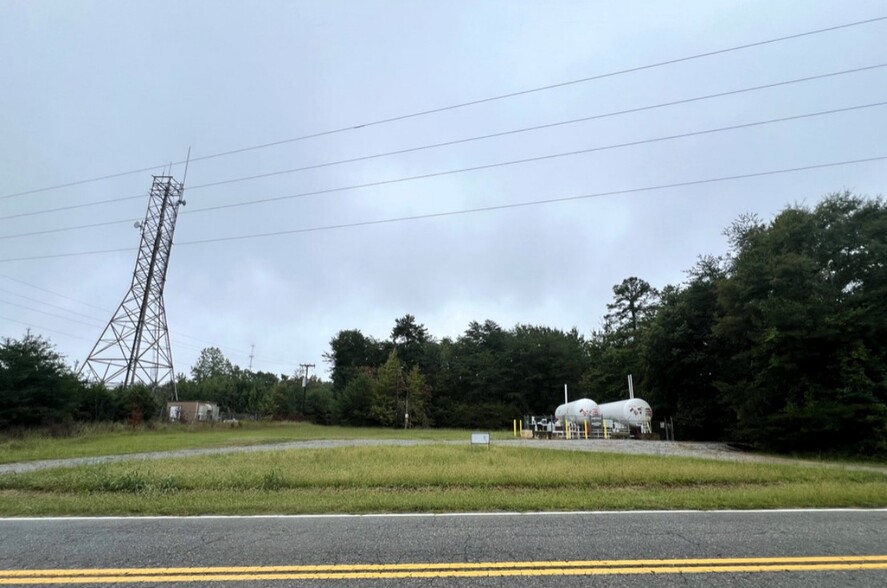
{"x": 813, "y": 548}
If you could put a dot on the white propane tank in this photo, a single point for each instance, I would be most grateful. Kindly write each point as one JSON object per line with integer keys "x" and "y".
{"x": 578, "y": 411}
{"x": 634, "y": 412}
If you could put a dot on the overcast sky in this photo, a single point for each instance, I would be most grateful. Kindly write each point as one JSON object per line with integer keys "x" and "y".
{"x": 95, "y": 88}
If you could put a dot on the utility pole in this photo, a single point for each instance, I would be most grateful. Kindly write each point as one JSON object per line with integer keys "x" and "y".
{"x": 252, "y": 349}
{"x": 305, "y": 367}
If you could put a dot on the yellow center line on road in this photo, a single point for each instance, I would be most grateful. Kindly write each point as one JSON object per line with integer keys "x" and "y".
{"x": 444, "y": 570}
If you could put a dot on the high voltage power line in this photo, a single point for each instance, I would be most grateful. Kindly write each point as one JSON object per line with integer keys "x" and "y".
{"x": 42, "y": 289}
{"x": 453, "y": 171}
{"x": 95, "y": 322}
{"x": 547, "y": 156}
{"x": 533, "y": 202}
{"x": 459, "y": 105}
{"x": 33, "y": 326}
{"x": 8, "y": 303}
{"x": 527, "y": 129}
{"x": 49, "y": 304}
{"x": 473, "y": 210}
{"x": 99, "y": 321}
{"x": 178, "y": 345}
{"x": 443, "y": 144}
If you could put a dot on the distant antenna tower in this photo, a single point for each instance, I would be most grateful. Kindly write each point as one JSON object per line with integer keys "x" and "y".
{"x": 134, "y": 348}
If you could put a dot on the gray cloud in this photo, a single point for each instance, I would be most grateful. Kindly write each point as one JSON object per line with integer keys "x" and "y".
{"x": 101, "y": 87}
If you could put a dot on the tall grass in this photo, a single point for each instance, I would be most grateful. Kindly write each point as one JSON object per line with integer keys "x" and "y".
{"x": 429, "y": 478}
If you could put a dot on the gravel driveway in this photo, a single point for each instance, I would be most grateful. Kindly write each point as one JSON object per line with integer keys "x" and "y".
{"x": 719, "y": 451}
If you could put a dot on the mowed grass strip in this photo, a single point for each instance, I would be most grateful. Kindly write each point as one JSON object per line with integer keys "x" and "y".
{"x": 97, "y": 440}
{"x": 429, "y": 479}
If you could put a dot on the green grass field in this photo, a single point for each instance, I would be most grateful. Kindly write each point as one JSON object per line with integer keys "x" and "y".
{"x": 433, "y": 478}
{"x": 91, "y": 441}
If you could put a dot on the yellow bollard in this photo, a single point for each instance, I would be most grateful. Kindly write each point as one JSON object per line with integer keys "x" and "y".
{"x": 605, "y": 429}
{"x": 586, "y": 430}
{"x": 514, "y": 423}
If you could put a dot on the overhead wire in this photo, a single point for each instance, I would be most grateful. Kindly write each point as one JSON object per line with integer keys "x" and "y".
{"x": 41, "y": 288}
{"x": 431, "y": 146}
{"x": 531, "y": 203}
{"x": 8, "y": 303}
{"x": 226, "y": 349}
{"x": 72, "y": 228}
{"x": 175, "y": 343}
{"x": 460, "y": 105}
{"x": 73, "y": 206}
{"x": 526, "y": 129}
{"x": 537, "y": 158}
{"x": 38, "y": 327}
{"x": 379, "y": 183}
{"x": 78, "y": 254}
{"x": 97, "y": 322}
{"x": 49, "y": 304}
{"x": 475, "y": 210}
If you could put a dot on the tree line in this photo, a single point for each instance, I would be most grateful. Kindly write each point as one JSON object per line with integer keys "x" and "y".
{"x": 37, "y": 389}
{"x": 780, "y": 343}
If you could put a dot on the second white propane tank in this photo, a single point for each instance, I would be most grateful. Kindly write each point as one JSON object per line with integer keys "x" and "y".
{"x": 634, "y": 412}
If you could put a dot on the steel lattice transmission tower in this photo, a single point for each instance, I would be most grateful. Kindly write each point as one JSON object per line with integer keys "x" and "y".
{"x": 134, "y": 348}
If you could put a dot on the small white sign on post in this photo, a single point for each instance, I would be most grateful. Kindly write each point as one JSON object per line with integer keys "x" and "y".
{"x": 480, "y": 439}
